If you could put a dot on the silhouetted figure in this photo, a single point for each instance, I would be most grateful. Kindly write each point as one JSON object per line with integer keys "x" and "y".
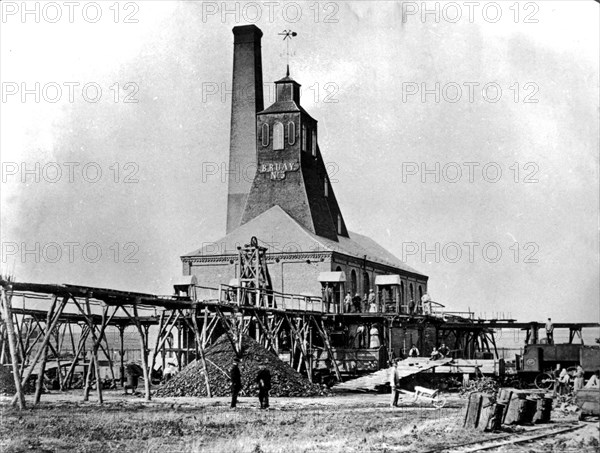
{"x": 236, "y": 382}
{"x": 263, "y": 379}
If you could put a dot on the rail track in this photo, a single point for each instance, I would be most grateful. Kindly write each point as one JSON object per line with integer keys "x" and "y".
{"x": 509, "y": 439}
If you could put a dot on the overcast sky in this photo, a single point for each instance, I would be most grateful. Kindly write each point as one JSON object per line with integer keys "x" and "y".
{"x": 363, "y": 67}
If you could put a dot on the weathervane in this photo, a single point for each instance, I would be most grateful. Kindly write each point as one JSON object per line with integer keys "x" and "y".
{"x": 287, "y": 37}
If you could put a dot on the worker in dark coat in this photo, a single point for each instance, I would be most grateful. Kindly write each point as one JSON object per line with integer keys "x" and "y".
{"x": 236, "y": 382}
{"x": 263, "y": 379}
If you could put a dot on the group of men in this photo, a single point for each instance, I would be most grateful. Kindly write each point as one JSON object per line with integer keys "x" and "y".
{"x": 562, "y": 380}
{"x": 356, "y": 304}
{"x": 263, "y": 380}
{"x": 437, "y": 353}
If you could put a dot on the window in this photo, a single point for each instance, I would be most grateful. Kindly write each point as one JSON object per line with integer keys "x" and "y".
{"x": 265, "y": 134}
{"x": 291, "y": 132}
{"x": 339, "y": 224}
{"x": 304, "y": 137}
{"x": 277, "y": 136}
{"x": 326, "y": 187}
{"x": 353, "y": 285}
{"x": 313, "y": 142}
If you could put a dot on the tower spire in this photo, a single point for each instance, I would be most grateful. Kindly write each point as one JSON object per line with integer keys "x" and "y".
{"x": 287, "y": 37}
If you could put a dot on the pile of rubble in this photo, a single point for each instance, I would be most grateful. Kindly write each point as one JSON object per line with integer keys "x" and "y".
{"x": 486, "y": 385}
{"x": 285, "y": 381}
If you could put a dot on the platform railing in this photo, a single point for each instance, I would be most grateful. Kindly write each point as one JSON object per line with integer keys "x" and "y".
{"x": 258, "y": 297}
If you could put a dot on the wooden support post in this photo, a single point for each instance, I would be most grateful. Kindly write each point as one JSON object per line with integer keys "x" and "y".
{"x": 200, "y": 348}
{"x": 323, "y": 332}
{"x": 40, "y": 380}
{"x": 47, "y": 337}
{"x": 161, "y": 320}
{"x": 121, "y": 353}
{"x": 5, "y": 304}
{"x": 143, "y": 347}
{"x": 69, "y": 376}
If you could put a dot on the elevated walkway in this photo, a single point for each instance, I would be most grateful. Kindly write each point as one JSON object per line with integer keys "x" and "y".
{"x": 406, "y": 367}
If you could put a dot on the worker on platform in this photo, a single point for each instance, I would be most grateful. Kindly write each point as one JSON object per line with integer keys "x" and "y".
{"x": 394, "y": 381}
{"x": 414, "y": 352}
{"x": 263, "y": 379}
{"x": 236, "y": 382}
{"x": 435, "y": 354}
{"x": 360, "y": 335}
{"x": 357, "y": 303}
{"x": 372, "y": 302}
{"x": 348, "y": 303}
{"x": 549, "y": 331}
{"x": 411, "y": 307}
{"x": 444, "y": 350}
{"x": 365, "y": 303}
{"x": 374, "y": 337}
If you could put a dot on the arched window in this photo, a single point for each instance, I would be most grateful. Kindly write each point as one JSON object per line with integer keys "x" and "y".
{"x": 339, "y": 219}
{"x": 277, "y": 136}
{"x": 411, "y": 292}
{"x": 326, "y": 187}
{"x": 353, "y": 282}
{"x": 366, "y": 284}
{"x": 265, "y": 134}
{"x": 313, "y": 142}
{"x": 304, "y": 137}
{"x": 291, "y": 132}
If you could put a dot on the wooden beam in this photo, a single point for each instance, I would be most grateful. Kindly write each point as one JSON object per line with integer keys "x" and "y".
{"x": 5, "y": 304}
{"x": 40, "y": 379}
{"x": 47, "y": 337}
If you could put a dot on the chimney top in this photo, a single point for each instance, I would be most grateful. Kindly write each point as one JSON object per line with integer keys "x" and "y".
{"x": 246, "y": 33}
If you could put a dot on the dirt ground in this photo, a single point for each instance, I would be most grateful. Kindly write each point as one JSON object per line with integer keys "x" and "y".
{"x": 343, "y": 423}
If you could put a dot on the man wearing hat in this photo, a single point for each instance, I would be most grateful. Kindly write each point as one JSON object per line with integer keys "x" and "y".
{"x": 263, "y": 379}
{"x": 236, "y": 381}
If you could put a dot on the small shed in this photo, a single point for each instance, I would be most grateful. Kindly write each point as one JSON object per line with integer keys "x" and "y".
{"x": 388, "y": 292}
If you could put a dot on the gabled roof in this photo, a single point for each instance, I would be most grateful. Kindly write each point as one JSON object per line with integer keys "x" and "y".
{"x": 278, "y": 231}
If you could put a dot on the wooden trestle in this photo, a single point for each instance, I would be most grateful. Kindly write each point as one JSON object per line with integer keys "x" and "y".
{"x": 33, "y": 335}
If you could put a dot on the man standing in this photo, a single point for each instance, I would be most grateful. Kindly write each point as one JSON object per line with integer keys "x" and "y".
{"x": 348, "y": 303}
{"x": 263, "y": 379}
{"x": 372, "y": 302}
{"x": 550, "y": 331}
{"x": 236, "y": 382}
{"x": 394, "y": 384}
{"x": 357, "y": 302}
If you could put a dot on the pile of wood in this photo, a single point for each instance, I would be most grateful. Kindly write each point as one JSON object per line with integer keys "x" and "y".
{"x": 285, "y": 381}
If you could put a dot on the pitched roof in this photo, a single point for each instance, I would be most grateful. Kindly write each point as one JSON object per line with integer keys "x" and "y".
{"x": 278, "y": 231}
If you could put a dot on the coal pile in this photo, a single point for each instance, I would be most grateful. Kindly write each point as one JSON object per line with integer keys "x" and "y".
{"x": 285, "y": 381}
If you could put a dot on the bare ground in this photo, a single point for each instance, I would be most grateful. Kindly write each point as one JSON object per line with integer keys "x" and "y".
{"x": 345, "y": 423}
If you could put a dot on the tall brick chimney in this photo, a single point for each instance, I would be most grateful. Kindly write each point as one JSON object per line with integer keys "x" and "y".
{"x": 246, "y": 102}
